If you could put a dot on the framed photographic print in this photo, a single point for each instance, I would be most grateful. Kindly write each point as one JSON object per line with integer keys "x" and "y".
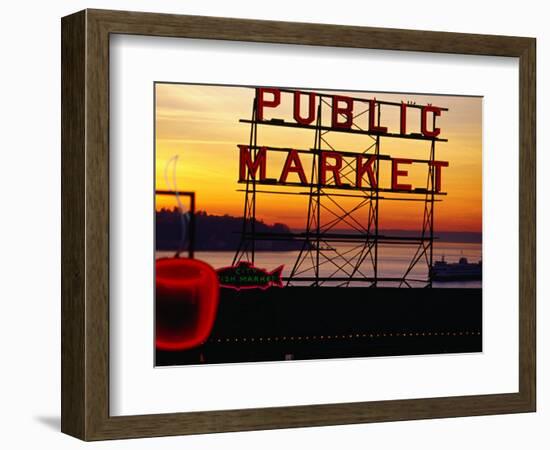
{"x": 270, "y": 224}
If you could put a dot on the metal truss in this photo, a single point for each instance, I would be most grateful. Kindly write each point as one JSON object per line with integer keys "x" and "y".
{"x": 319, "y": 261}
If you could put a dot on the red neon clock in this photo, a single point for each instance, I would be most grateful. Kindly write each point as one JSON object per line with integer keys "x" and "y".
{"x": 187, "y": 296}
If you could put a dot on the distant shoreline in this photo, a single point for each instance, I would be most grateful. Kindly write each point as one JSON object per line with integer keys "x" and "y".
{"x": 465, "y": 237}
{"x": 265, "y": 250}
{"x": 223, "y": 233}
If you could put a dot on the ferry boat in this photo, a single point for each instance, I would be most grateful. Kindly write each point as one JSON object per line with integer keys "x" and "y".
{"x": 460, "y": 271}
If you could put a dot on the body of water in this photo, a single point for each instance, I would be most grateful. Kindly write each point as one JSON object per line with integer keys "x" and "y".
{"x": 393, "y": 261}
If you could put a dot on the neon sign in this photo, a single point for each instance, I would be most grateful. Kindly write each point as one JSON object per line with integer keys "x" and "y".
{"x": 253, "y": 160}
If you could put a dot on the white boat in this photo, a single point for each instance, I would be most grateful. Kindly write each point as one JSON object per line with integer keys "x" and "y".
{"x": 460, "y": 271}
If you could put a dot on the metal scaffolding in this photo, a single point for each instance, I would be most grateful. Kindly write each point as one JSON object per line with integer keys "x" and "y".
{"x": 320, "y": 262}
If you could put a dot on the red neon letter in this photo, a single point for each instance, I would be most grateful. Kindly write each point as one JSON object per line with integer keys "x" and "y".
{"x": 262, "y": 102}
{"x": 346, "y": 110}
{"x": 372, "y": 122}
{"x": 403, "y": 127}
{"x": 363, "y": 167}
{"x": 395, "y": 173}
{"x": 293, "y": 164}
{"x": 245, "y": 162}
{"x": 438, "y": 165}
{"x": 311, "y": 108}
{"x": 335, "y": 168}
{"x": 424, "y": 119}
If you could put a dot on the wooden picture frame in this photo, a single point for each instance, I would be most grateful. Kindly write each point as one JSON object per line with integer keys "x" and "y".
{"x": 85, "y": 224}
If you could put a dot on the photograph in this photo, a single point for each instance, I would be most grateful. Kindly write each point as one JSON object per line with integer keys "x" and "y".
{"x": 303, "y": 223}
{"x": 269, "y": 225}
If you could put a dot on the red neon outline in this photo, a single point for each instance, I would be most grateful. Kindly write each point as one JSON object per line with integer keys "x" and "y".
{"x": 209, "y": 278}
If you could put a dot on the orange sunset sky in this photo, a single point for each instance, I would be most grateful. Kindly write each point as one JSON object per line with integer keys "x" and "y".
{"x": 201, "y": 125}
